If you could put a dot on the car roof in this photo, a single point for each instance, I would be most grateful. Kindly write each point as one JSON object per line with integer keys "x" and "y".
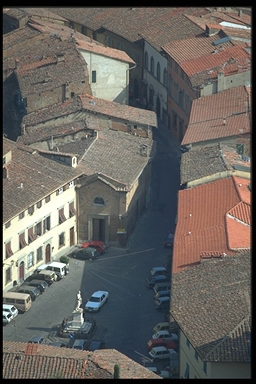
{"x": 36, "y": 338}
{"x": 98, "y": 293}
{"x": 156, "y": 349}
{"x": 163, "y": 298}
{"x": 163, "y": 332}
{"x": 158, "y": 269}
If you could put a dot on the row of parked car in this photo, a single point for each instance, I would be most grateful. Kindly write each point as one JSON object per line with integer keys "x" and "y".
{"x": 159, "y": 281}
{"x": 80, "y": 344}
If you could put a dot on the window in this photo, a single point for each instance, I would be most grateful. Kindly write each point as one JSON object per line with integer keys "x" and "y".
{"x": 180, "y": 99}
{"x": 175, "y": 91}
{"x": 31, "y": 210}
{"x": 8, "y": 275}
{"x": 137, "y": 57}
{"x": 196, "y": 355}
{"x": 39, "y": 204}
{"x": 205, "y": 367}
{"x": 22, "y": 241}
{"x": 21, "y": 215}
{"x": 170, "y": 61}
{"x": 169, "y": 84}
{"x": 151, "y": 96}
{"x": 165, "y": 77}
{"x": 60, "y": 190}
{"x": 48, "y": 198}
{"x": 98, "y": 201}
{"x": 61, "y": 239}
{"x": 186, "y": 102}
{"x": 8, "y": 250}
{"x": 174, "y": 120}
{"x": 4, "y": 160}
{"x": 62, "y": 217}
{"x": 145, "y": 91}
{"x": 93, "y": 76}
{"x": 158, "y": 71}
{"x": 8, "y": 224}
{"x": 186, "y": 375}
{"x": 188, "y": 343}
{"x": 146, "y": 60}
{"x": 38, "y": 229}
{"x": 47, "y": 224}
{"x": 71, "y": 184}
{"x": 30, "y": 259}
{"x": 135, "y": 126}
{"x": 152, "y": 65}
{"x": 72, "y": 210}
{"x": 31, "y": 235}
{"x": 175, "y": 67}
{"x": 39, "y": 254}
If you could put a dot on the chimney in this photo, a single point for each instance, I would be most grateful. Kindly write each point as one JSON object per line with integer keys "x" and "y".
{"x": 17, "y": 63}
{"x": 220, "y": 81}
{"x": 240, "y": 12}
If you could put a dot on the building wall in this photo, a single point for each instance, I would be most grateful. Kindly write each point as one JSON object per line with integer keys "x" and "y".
{"x": 112, "y": 81}
{"x": 150, "y": 81}
{"x": 49, "y": 237}
{"x": 231, "y": 370}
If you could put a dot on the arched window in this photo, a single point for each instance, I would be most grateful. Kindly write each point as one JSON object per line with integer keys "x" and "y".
{"x": 146, "y": 60}
{"x": 158, "y": 71}
{"x": 98, "y": 201}
{"x": 152, "y": 65}
{"x": 165, "y": 77}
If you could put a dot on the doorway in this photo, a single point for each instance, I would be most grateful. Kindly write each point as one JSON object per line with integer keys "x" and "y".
{"x": 21, "y": 271}
{"x": 47, "y": 253}
{"x": 98, "y": 229}
{"x": 71, "y": 236}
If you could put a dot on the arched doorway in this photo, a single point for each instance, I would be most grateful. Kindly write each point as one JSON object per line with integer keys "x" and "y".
{"x": 21, "y": 271}
{"x": 47, "y": 253}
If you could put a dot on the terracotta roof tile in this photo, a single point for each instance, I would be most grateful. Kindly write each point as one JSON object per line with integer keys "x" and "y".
{"x": 197, "y": 232}
{"x": 219, "y": 115}
{"x": 218, "y": 294}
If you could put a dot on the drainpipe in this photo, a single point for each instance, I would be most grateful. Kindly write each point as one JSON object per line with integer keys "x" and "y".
{"x": 127, "y": 78}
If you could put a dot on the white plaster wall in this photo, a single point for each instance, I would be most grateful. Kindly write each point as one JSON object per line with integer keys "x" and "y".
{"x": 112, "y": 79}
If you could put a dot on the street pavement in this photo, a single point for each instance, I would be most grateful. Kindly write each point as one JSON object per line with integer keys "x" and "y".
{"x": 126, "y": 321}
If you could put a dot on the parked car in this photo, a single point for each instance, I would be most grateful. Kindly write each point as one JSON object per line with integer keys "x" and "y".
{"x": 161, "y": 353}
{"x": 168, "y": 242}
{"x": 96, "y": 301}
{"x": 37, "y": 339}
{"x": 161, "y": 326}
{"x": 165, "y": 374}
{"x": 57, "y": 344}
{"x": 155, "y": 271}
{"x": 93, "y": 345}
{"x": 100, "y": 246}
{"x": 162, "y": 303}
{"x": 162, "y": 287}
{"x": 11, "y": 309}
{"x": 40, "y": 284}
{"x": 80, "y": 344}
{"x": 34, "y": 292}
{"x": 86, "y": 254}
{"x": 7, "y": 317}
{"x": 152, "y": 343}
{"x": 165, "y": 293}
{"x": 151, "y": 281}
{"x": 165, "y": 335}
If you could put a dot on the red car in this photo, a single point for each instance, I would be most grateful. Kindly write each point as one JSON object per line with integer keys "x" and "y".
{"x": 152, "y": 343}
{"x": 98, "y": 245}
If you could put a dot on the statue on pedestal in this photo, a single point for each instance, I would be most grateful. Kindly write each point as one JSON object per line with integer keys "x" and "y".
{"x": 78, "y": 302}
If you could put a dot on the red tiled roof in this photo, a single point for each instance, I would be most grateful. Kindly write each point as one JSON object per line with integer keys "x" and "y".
{"x": 104, "y": 51}
{"x": 204, "y": 226}
{"x": 232, "y": 59}
{"x": 219, "y": 115}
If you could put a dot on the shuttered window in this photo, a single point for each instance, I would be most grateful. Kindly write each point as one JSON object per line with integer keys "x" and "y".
{"x": 8, "y": 250}
{"x": 72, "y": 210}
{"x": 22, "y": 240}
{"x": 62, "y": 217}
{"x": 31, "y": 235}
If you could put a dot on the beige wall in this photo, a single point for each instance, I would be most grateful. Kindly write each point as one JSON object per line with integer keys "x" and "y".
{"x": 50, "y": 237}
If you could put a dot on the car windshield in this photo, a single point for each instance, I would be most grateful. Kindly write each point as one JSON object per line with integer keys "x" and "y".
{"x": 95, "y": 299}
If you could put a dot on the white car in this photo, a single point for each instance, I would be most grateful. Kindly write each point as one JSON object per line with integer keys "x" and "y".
{"x": 96, "y": 301}
{"x": 161, "y": 353}
{"x": 165, "y": 335}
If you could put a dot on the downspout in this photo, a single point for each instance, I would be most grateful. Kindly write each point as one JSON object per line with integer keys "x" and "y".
{"x": 127, "y": 89}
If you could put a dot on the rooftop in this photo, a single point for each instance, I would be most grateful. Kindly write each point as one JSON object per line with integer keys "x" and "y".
{"x": 220, "y": 115}
{"x": 49, "y": 362}
{"x": 224, "y": 230}
{"x": 220, "y": 300}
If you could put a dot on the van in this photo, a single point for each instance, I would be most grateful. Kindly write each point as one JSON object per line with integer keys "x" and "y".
{"x": 162, "y": 287}
{"x": 59, "y": 268}
{"x": 158, "y": 271}
{"x": 164, "y": 293}
{"x": 22, "y": 301}
{"x": 10, "y": 308}
{"x": 161, "y": 327}
{"x": 162, "y": 303}
{"x": 7, "y": 317}
{"x": 34, "y": 292}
